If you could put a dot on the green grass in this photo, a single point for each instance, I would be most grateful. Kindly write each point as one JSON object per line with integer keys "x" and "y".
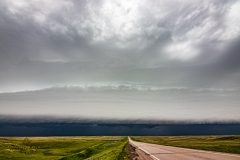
{"x": 229, "y": 144}
{"x": 64, "y": 148}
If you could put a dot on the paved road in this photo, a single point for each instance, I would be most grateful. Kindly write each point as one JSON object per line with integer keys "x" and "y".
{"x": 160, "y": 152}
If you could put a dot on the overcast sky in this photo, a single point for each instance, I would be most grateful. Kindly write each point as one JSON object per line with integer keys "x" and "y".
{"x": 168, "y": 59}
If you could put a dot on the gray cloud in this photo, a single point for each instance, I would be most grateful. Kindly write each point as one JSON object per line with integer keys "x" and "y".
{"x": 45, "y": 44}
{"x": 115, "y": 30}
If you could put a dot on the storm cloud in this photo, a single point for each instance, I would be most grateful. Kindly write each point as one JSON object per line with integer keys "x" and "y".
{"x": 166, "y": 60}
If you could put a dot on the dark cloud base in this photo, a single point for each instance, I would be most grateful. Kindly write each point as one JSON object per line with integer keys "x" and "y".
{"x": 113, "y": 129}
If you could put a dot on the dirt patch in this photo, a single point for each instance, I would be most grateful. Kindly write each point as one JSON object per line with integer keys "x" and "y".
{"x": 136, "y": 154}
{"x": 132, "y": 152}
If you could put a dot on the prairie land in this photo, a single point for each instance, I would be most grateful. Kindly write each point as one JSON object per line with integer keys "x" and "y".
{"x": 63, "y": 148}
{"x": 103, "y": 147}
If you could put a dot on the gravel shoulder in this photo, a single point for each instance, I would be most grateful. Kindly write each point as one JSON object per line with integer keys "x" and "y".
{"x": 136, "y": 154}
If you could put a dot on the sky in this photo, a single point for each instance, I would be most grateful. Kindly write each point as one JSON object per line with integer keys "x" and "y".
{"x": 168, "y": 60}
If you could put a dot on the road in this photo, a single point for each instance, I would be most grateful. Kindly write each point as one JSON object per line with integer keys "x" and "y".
{"x": 160, "y": 152}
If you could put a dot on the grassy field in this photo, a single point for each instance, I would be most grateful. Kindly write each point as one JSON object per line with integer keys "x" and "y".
{"x": 229, "y": 144}
{"x": 103, "y": 147}
{"x": 64, "y": 148}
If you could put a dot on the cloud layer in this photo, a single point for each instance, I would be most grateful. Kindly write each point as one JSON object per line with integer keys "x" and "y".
{"x": 130, "y": 46}
{"x": 136, "y": 34}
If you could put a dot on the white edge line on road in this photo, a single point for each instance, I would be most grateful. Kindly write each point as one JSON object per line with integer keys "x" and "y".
{"x": 200, "y": 151}
{"x": 203, "y": 151}
{"x": 144, "y": 150}
{"x": 149, "y": 154}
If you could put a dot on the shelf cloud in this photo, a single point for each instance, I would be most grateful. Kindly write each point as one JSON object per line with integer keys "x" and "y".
{"x": 175, "y": 58}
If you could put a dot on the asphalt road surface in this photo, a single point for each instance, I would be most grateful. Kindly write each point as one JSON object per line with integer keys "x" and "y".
{"x": 160, "y": 152}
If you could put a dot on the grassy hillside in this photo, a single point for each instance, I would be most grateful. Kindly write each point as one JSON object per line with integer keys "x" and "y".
{"x": 230, "y": 144}
{"x": 64, "y": 148}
